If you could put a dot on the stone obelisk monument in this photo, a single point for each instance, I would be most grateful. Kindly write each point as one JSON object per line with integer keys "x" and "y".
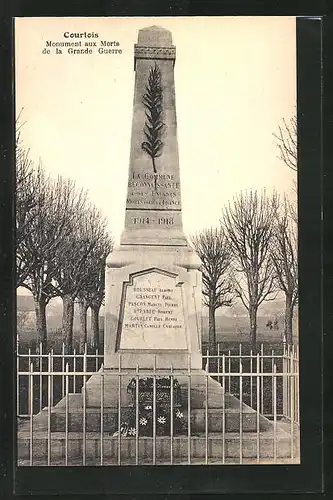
{"x": 153, "y": 282}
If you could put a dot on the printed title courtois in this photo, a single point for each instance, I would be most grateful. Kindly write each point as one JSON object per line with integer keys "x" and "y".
{"x": 68, "y": 34}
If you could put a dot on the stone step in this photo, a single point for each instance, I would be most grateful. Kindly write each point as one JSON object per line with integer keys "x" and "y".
{"x": 198, "y": 421}
{"x": 176, "y": 461}
{"x": 232, "y": 418}
{"x": 231, "y": 442}
{"x": 201, "y": 385}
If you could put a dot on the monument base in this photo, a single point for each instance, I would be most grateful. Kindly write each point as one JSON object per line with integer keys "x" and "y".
{"x": 202, "y": 388}
{"x": 220, "y": 445}
{"x": 75, "y": 410}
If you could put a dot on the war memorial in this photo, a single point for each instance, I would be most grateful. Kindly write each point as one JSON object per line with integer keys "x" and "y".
{"x": 152, "y": 333}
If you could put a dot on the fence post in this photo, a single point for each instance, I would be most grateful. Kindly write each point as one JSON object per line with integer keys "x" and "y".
{"x": 102, "y": 413}
{"x": 206, "y": 365}
{"x": 189, "y": 410}
{"x": 40, "y": 376}
{"x": 274, "y": 401}
{"x": 154, "y": 411}
{"x": 272, "y": 371}
{"x": 297, "y": 383}
{"x": 74, "y": 370}
{"x": 51, "y": 396}
{"x": 84, "y": 406}
{"x": 137, "y": 416}
{"x": 49, "y": 411}
{"x": 66, "y": 414}
{"x": 258, "y": 406}
{"x": 284, "y": 382}
{"x": 31, "y": 410}
{"x": 63, "y": 368}
{"x": 292, "y": 416}
{"x": 240, "y": 412}
{"x": 206, "y": 418}
{"x": 171, "y": 415}
{"x": 29, "y": 358}
{"x": 223, "y": 408}
{"x": 262, "y": 378}
{"x": 119, "y": 409}
{"x": 251, "y": 378}
{"x": 17, "y": 383}
{"x": 229, "y": 370}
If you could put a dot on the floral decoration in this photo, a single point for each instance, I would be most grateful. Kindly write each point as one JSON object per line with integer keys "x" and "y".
{"x": 166, "y": 420}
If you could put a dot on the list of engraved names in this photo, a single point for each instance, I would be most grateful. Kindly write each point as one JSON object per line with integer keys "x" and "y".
{"x": 153, "y": 308}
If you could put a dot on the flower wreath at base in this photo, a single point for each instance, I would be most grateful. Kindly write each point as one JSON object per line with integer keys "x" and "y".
{"x": 165, "y": 421}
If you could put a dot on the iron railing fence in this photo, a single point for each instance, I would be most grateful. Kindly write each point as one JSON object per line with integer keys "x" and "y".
{"x": 55, "y": 362}
{"x": 262, "y": 425}
{"x": 286, "y": 364}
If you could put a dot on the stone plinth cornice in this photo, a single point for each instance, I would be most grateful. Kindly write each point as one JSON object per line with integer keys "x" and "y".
{"x": 141, "y": 52}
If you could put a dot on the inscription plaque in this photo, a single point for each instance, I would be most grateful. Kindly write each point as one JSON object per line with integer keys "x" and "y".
{"x": 153, "y": 313}
{"x": 143, "y": 194}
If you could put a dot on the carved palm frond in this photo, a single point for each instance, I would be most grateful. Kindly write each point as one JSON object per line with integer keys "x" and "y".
{"x": 154, "y": 126}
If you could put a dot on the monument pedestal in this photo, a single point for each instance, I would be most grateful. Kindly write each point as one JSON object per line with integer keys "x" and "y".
{"x": 153, "y": 305}
{"x": 202, "y": 388}
{"x": 152, "y": 316}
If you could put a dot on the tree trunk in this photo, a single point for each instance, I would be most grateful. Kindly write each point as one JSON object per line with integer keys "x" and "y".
{"x": 288, "y": 319}
{"x": 95, "y": 326}
{"x": 83, "y": 308}
{"x": 253, "y": 326}
{"x": 67, "y": 322}
{"x": 212, "y": 329}
{"x": 40, "y": 309}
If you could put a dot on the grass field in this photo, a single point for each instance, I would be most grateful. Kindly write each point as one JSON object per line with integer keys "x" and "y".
{"x": 227, "y": 340}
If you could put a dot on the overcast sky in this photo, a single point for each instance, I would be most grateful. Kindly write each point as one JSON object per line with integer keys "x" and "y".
{"x": 235, "y": 80}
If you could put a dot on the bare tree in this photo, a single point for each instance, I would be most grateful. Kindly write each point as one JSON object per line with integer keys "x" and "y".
{"x": 27, "y": 180}
{"x": 45, "y": 238}
{"x": 24, "y": 203}
{"x": 83, "y": 309}
{"x": 284, "y": 256}
{"x": 249, "y": 225}
{"x": 93, "y": 289}
{"x": 97, "y": 293}
{"x": 287, "y": 142}
{"x": 87, "y": 229}
{"x": 24, "y": 184}
{"x": 214, "y": 251}
{"x": 24, "y": 191}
